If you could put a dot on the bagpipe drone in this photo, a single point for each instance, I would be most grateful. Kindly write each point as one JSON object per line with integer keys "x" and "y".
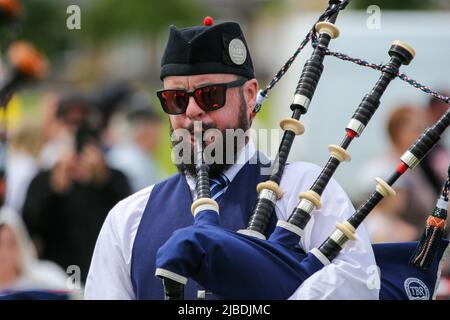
{"x": 244, "y": 265}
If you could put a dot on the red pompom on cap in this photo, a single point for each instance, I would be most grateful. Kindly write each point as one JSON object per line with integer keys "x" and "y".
{"x": 208, "y": 21}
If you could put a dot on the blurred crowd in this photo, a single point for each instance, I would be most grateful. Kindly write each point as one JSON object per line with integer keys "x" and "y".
{"x": 64, "y": 173}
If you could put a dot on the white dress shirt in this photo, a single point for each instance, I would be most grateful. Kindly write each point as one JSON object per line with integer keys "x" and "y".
{"x": 349, "y": 276}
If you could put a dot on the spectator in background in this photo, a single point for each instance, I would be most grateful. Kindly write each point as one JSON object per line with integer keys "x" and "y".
{"x": 20, "y": 270}
{"x": 400, "y": 218}
{"x": 63, "y": 116}
{"x": 65, "y": 206}
{"x": 139, "y": 138}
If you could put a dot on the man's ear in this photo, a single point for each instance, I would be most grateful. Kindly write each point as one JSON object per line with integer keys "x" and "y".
{"x": 250, "y": 92}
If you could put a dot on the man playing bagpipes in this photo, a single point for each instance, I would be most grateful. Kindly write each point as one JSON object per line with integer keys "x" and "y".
{"x": 249, "y": 264}
{"x": 209, "y": 79}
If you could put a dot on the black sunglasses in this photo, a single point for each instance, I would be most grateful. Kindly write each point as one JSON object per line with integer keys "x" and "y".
{"x": 209, "y": 97}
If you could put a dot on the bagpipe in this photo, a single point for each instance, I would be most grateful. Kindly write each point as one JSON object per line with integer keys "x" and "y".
{"x": 246, "y": 265}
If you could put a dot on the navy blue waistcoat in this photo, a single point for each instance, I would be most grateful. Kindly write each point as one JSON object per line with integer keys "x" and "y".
{"x": 169, "y": 208}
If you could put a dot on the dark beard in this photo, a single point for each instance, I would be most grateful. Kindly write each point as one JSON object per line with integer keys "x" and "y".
{"x": 215, "y": 168}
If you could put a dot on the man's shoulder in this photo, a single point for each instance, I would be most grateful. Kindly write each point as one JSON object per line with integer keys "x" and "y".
{"x": 131, "y": 205}
{"x": 305, "y": 171}
{"x": 301, "y": 176}
{"x": 136, "y": 202}
{"x": 124, "y": 218}
{"x": 170, "y": 180}
{"x": 301, "y": 171}
{"x": 304, "y": 167}
{"x": 297, "y": 177}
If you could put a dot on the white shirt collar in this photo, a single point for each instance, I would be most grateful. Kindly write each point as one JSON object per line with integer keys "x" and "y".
{"x": 246, "y": 153}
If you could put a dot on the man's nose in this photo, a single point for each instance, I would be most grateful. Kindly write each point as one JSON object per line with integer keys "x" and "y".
{"x": 193, "y": 111}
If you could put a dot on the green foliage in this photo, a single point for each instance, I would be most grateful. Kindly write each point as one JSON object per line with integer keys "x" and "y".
{"x": 394, "y": 4}
{"x": 44, "y": 23}
{"x": 111, "y": 18}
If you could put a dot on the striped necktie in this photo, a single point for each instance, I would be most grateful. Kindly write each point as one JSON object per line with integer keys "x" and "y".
{"x": 218, "y": 185}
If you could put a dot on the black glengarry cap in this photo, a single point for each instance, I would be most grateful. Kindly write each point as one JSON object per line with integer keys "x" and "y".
{"x": 206, "y": 49}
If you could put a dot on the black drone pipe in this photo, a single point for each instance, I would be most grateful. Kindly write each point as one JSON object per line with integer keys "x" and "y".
{"x": 269, "y": 191}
